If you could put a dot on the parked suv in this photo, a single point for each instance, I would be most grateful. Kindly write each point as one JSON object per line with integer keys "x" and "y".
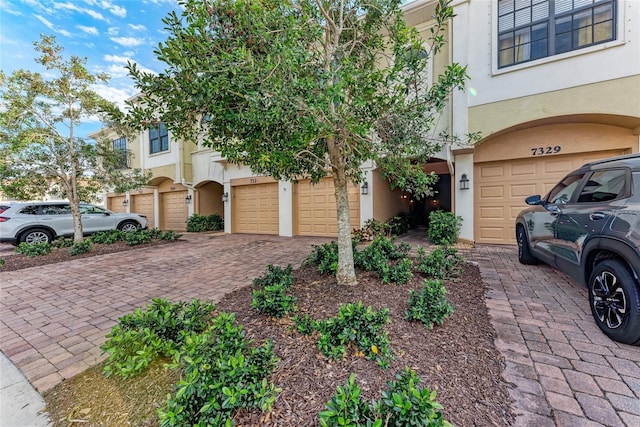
{"x": 38, "y": 222}
{"x": 588, "y": 226}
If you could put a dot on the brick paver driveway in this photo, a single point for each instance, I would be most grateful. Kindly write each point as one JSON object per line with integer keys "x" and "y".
{"x": 564, "y": 371}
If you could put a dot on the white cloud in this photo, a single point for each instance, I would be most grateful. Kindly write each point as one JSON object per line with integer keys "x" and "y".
{"x": 113, "y": 31}
{"x": 73, "y": 7}
{"x": 116, "y": 59}
{"x": 114, "y": 94}
{"x": 119, "y": 11}
{"x": 7, "y": 7}
{"x": 127, "y": 41}
{"x": 137, "y": 27}
{"x": 63, "y": 32}
{"x": 45, "y": 21}
{"x": 89, "y": 30}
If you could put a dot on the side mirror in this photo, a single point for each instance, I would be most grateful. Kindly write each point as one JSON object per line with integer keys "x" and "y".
{"x": 533, "y": 200}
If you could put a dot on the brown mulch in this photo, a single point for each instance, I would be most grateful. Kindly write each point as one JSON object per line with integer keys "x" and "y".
{"x": 14, "y": 261}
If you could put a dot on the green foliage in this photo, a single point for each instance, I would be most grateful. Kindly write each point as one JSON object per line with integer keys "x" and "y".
{"x": 429, "y": 305}
{"x": 380, "y": 255}
{"x": 325, "y": 256}
{"x": 222, "y": 373}
{"x": 168, "y": 235}
{"x": 199, "y": 223}
{"x": 271, "y": 298}
{"x": 34, "y": 249}
{"x": 139, "y": 236}
{"x": 399, "y": 272}
{"x": 442, "y": 263}
{"x": 403, "y": 404}
{"x": 62, "y": 242}
{"x": 107, "y": 237}
{"x": 355, "y": 324}
{"x": 275, "y": 276}
{"x": 444, "y": 227}
{"x": 139, "y": 337}
{"x": 80, "y": 248}
{"x": 373, "y": 228}
{"x": 2, "y": 262}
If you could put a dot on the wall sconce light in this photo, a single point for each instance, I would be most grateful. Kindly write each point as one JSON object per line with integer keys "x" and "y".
{"x": 125, "y": 202}
{"x": 464, "y": 182}
{"x": 225, "y": 197}
{"x": 364, "y": 190}
{"x": 187, "y": 199}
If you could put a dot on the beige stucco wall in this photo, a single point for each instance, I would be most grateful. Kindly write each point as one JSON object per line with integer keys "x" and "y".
{"x": 387, "y": 203}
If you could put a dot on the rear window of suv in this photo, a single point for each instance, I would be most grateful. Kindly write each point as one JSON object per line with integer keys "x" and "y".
{"x": 4, "y": 208}
{"x": 30, "y": 210}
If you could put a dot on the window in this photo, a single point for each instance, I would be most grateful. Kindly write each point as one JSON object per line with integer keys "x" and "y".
{"x": 120, "y": 147}
{"x": 563, "y": 191}
{"x": 158, "y": 139}
{"x": 603, "y": 186}
{"x": 533, "y": 29}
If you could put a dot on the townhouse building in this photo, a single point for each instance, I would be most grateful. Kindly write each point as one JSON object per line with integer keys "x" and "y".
{"x": 553, "y": 84}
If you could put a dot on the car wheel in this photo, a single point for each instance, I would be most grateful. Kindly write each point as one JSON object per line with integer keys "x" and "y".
{"x": 128, "y": 226}
{"x": 524, "y": 250}
{"x": 36, "y": 235}
{"x": 614, "y": 297}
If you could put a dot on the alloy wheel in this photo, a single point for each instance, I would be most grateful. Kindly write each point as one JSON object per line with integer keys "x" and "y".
{"x": 609, "y": 301}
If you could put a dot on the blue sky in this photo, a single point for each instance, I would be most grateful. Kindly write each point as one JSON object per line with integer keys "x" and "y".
{"x": 107, "y": 32}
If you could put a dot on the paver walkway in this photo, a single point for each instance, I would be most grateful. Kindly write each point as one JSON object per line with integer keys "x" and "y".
{"x": 565, "y": 372}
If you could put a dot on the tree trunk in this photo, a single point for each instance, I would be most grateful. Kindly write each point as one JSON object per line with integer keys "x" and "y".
{"x": 78, "y": 234}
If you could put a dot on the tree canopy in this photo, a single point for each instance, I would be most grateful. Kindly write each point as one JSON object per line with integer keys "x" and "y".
{"x": 303, "y": 89}
{"x": 40, "y": 150}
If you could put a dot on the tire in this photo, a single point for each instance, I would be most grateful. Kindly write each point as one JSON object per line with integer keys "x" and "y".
{"x": 524, "y": 250}
{"x": 614, "y": 298}
{"x": 36, "y": 235}
{"x": 127, "y": 226}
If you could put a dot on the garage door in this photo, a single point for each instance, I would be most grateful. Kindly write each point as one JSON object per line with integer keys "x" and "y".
{"x": 114, "y": 203}
{"x": 173, "y": 211}
{"x": 143, "y": 204}
{"x": 316, "y": 208}
{"x": 255, "y": 208}
{"x": 501, "y": 187}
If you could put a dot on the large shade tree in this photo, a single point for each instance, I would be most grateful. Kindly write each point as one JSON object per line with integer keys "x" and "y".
{"x": 41, "y": 152}
{"x": 304, "y": 89}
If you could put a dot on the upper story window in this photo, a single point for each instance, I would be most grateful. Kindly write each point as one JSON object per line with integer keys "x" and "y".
{"x": 158, "y": 138}
{"x": 533, "y": 29}
{"x": 120, "y": 147}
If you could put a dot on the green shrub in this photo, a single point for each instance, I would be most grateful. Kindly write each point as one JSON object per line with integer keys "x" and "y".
{"x": 2, "y": 262}
{"x": 34, "y": 249}
{"x": 199, "y": 223}
{"x": 325, "y": 256}
{"x": 139, "y": 236}
{"x": 222, "y": 373}
{"x": 80, "y": 248}
{"x": 62, "y": 242}
{"x": 273, "y": 300}
{"x": 144, "y": 334}
{"x": 398, "y": 273}
{"x": 379, "y": 257}
{"x": 275, "y": 276}
{"x": 169, "y": 235}
{"x": 107, "y": 237}
{"x": 373, "y": 228}
{"x": 441, "y": 263}
{"x": 355, "y": 324}
{"x": 403, "y": 404}
{"x": 398, "y": 225}
{"x": 444, "y": 227}
{"x": 429, "y": 305}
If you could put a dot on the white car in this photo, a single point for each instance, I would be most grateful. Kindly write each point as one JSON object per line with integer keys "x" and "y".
{"x": 40, "y": 222}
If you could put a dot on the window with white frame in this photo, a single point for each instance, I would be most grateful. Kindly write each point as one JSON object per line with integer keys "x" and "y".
{"x": 120, "y": 147}
{"x": 158, "y": 138}
{"x": 534, "y": 29}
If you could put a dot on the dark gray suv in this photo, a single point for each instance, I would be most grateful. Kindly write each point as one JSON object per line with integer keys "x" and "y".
{"x": 588, "y": 226}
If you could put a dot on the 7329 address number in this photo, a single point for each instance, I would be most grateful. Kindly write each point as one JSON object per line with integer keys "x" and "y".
{"x": 541, "y": 151}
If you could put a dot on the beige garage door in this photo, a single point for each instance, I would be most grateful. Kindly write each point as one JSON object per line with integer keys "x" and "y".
{"x": 143, "y": 204}
{"x": 173, "y": 211}
{"x": 501, "y": 187}
{"x": 255, "y": 208}
{"x": 316, "y": 208}
{"x": 114, "y": 203}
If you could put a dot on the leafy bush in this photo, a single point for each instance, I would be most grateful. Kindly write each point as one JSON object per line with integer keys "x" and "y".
{"x": 429, "y": 305}
{"x": 271, "y": 299}
{"x": 275, "y": 276}
{"x": 107, "y": 237}
{"x": 441, "y": 263}
{"x": 221, "y": 373}
{"x": 34, "y": 249}
{"x": 2, "y": 262}
{"x": 325, "y": 256}
{"x": 139, "y": 236}
{"x": 444, "y": 227}
{"x": 139, "y": 337}
{"x": 378, "y": 257}
{"x": 398, "y": 225}
{"x": 404, "y": 403}
{"x": 399, "y": 273}
{"x": 80, "y": 248}
{"x": 62, "y": 242}
{"x": 169, "y": 235}
{"x": 355, "y": 324}
{"x": 199, "y": 223}
{"x": 373, "y": 228}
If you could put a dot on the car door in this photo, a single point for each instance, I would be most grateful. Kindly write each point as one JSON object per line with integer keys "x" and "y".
{"x": 58, "y": 217}
{"x": 95, "y": 218}
{"x": 543, "y": 223}
{"x": 588, "y": 214}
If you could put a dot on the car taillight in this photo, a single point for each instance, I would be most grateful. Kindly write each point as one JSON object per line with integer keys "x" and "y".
{"x": 4, "y": 219}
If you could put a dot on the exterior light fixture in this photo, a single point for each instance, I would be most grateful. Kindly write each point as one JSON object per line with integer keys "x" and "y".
{"x": 125, "y": 202}
{"x": 364, "y": 190}
{"x": 187, "y": 199}
{"x": 464, "y": 182}
{"x": 225, "y": 197}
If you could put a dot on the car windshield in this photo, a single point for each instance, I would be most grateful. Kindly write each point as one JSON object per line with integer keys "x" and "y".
{"x": 563, "y": 191}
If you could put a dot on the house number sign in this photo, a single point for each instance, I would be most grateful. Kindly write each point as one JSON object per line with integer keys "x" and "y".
{"x": 541, "y": 151}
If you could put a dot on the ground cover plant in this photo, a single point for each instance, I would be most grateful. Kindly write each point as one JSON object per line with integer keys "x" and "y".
{"x": 199, "y": 223}
{"x": 457, "y": 360}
